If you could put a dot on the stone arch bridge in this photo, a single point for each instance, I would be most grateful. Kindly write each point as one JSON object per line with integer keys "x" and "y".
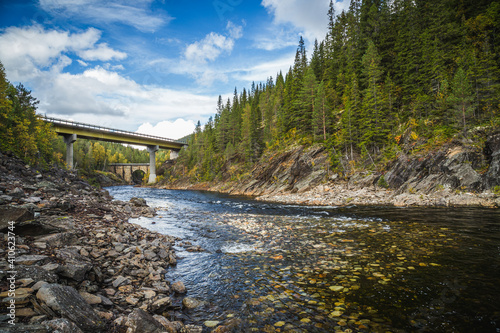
{"x": 127, "y": 170}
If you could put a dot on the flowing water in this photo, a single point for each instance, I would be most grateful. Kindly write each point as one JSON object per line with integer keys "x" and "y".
{"x": 287, "y": 268}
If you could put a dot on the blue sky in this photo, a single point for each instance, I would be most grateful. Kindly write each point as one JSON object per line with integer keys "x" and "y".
{"x": 152, "y": 66}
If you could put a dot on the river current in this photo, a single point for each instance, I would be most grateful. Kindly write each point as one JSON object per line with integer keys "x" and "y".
{"x": 286, "y": 268}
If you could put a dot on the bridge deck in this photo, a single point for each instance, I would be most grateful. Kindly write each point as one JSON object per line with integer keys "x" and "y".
{"x": 93, "y": 132}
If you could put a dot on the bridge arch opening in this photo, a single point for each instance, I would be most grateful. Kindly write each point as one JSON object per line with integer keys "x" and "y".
{"x": 138, "y": 176}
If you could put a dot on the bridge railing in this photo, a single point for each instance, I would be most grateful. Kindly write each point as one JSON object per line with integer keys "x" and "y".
{"x": 106, "y": 129}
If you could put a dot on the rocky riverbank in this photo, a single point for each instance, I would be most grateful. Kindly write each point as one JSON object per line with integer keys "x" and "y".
{"x": 459, "y": 173}
{"x": 71, "y": 262}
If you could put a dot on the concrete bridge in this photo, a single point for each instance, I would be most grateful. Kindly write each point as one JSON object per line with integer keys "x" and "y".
{"x": 127, "y": 170}
{"x": 72, "y": 130}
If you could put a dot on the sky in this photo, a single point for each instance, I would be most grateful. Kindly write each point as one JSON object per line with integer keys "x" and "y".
{"x": 151, "y": 66}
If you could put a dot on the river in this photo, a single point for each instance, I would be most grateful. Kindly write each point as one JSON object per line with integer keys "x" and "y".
{"x": 287, "y": 268}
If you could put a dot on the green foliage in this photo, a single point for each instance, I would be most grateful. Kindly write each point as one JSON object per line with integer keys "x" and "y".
{"x": 496, "y": 190}
{"x": 382, "y": 182}
{"x": 22, "y": 131}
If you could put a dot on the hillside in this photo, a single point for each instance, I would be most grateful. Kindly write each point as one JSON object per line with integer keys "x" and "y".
{"x": 396, "y": 89}
{"x": 457, "y": 173}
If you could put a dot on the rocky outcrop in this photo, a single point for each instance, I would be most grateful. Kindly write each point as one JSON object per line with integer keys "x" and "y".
{"x": 459, "y": 173}
{"x": 295, "y": 170}
{"x": 492, "y": 153}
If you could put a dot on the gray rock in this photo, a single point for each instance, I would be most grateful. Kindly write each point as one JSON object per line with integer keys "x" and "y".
{"x": 36, "y": 273}
{"x": 140, "y": 321}
{"x": 492, "y": 152}
{"x": 119, "y": 281}
{"x": 5, "y": 199}
{"x": 62, "y": 325}
{"x": 75, "y": 267}
{"x": 138, "y": 202}
{"x": 60, "y": 239}
{"x": 17, "y": 193}
{"x": 68, "y": 303}
{"x": 15, "y": 214}
{"x": 159, "y": 306}
{"x": 31, "y": 259}
{"x": 33, "y": 199}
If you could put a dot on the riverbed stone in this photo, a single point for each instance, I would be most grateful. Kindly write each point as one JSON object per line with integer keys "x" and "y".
{"x": 119, "y": 281}
{"x": 139, "y": 321}
{"x": 159, "y": 306}
{"x": 178, "y": 287}
{"x": 191, "y": 303}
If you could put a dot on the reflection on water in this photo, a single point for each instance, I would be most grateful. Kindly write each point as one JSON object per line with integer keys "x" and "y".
{"x": 271, "y": 267}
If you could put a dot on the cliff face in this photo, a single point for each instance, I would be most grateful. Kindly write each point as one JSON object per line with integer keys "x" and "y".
{"x": 458, "y": 167}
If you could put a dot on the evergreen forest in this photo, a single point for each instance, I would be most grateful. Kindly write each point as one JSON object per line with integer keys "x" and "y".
{"x": 389, "y": 75}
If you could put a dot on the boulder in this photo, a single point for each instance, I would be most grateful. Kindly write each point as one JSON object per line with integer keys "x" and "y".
{"x": 139, "y": 321}
{"x": 75, "y": 267}
{"x": 178, "y": 287}
{"x": 138, "y": 202}
{"x": 68, "y": 303}
{"x": 13, "y": 214}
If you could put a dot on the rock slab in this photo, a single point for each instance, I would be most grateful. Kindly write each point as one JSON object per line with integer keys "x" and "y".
{"x": 67, "y": 302}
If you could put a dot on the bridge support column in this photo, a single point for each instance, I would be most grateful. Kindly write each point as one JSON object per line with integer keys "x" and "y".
{"x": 152, "y": 163}
{"x": 68, "y": 140}
{"x": 174, "y": 154}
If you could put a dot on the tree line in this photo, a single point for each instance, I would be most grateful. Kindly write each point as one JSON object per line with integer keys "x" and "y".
{"x": 388, "y": 74}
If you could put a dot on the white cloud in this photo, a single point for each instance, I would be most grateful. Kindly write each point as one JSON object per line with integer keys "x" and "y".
{"x": 168, "y": 129}
{"x": 82, "y": 63}
{"x": 98, "y": 95}
{"x": 209, "y": 48}
{"x": 308, "y": 16}
{"x": 133, "y": 13}
{"x": 213, "y": 45}
{"x": 261, "y": 72}
{"x": 24, "y": 51}
{"x": 102, "y": 52}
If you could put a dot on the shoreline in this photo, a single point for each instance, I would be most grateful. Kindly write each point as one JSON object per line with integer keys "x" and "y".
{"x": 339, "y": 195}
{"x": 80, "y": 265}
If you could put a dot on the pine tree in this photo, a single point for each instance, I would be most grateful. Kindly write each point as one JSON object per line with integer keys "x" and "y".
{"x": 321, "y": 119}
{"x": 461, "y": 97}
{"x": 304, "y": 103}
{"x": 373, "y": 113}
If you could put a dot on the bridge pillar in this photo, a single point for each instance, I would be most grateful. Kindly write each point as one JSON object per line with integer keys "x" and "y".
{"x": 68, "y": 140}
{"x": 152, "y": 163}
{"x": 174, "y": 154}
